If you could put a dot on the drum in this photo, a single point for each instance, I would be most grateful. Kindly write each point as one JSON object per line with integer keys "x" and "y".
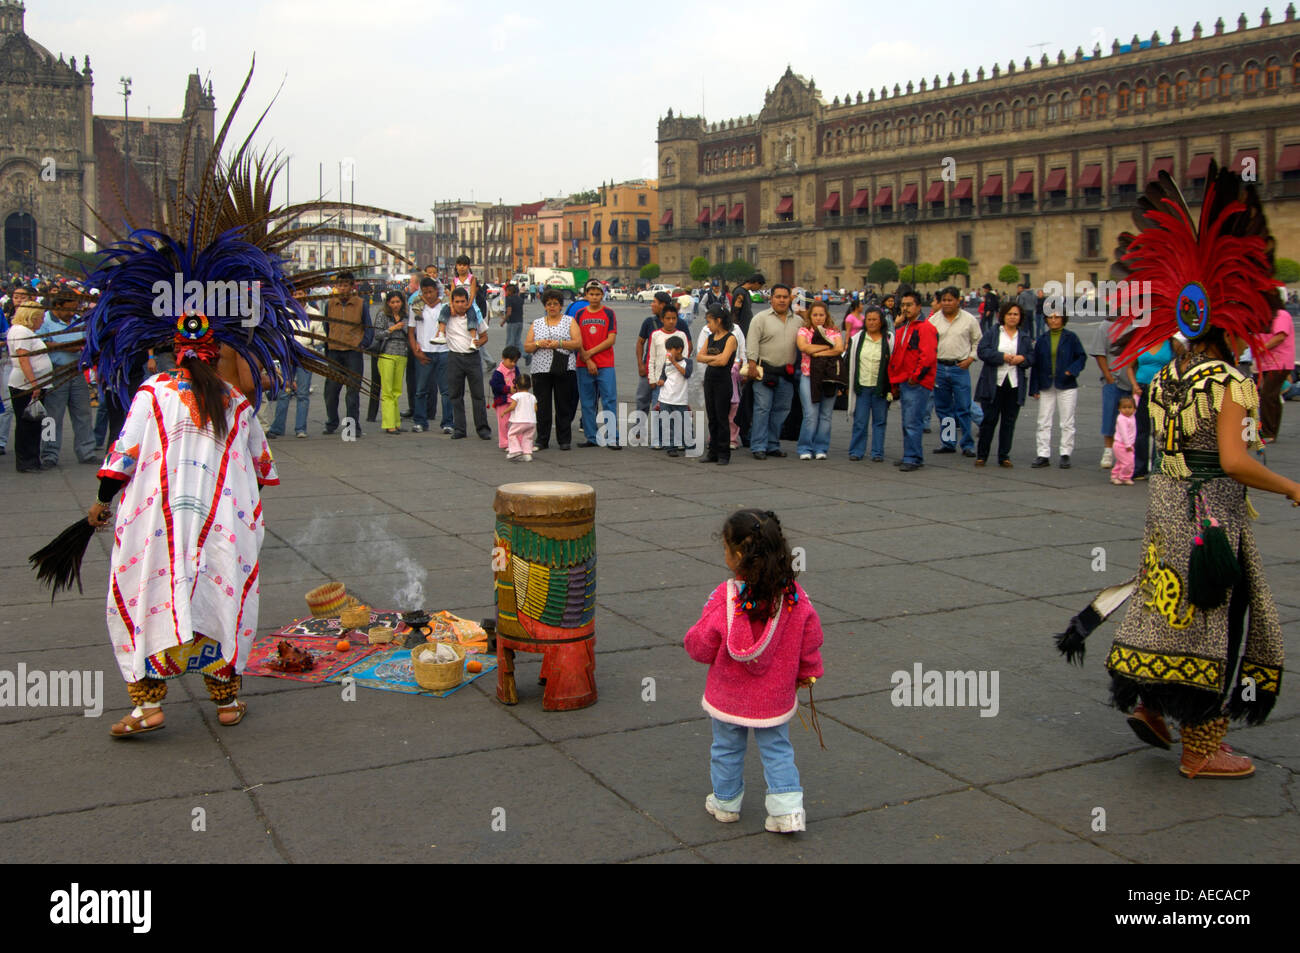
{"x": 544, "y": 563}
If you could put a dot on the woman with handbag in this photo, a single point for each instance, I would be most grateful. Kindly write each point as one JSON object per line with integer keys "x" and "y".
{"x": 1008, "y": 354}
{"x": 391, "y": 354}
{"x": 869, "y": 389}
{"x": 822, "y": 374}
{"x": 29, "y": 371}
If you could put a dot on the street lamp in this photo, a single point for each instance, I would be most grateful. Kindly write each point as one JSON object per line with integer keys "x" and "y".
{"x": 125, "y": 83}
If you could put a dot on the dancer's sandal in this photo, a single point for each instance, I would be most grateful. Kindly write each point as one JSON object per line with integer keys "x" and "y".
{"x": 151, "y": 720}
{"x": 229, "y": 717}
{"x": 1150, "y": 727}
{"x": 1222, "y": 764}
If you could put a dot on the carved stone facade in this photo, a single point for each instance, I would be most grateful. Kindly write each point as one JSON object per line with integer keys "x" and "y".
{"x": 1037, "y": 165}
{"x": 57, "y": 158}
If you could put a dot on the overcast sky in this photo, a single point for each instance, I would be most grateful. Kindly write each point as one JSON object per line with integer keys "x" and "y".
{"x": 435, "y": 99}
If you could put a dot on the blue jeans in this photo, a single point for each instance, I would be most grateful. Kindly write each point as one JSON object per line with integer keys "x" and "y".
{"x": 914, "y": 397}
{"x": 515, "y": 335}
{"x": 6, "y": 415}
{"x": 602, "y": 385}
{"x": 727, "y": 766}
{"x": 815, "y": 434}
{"x": 1110, "y": 395}
{"x": 952, "y": 400}
{"x": 771, "y": 405}
{"x": 74, "y": 397}
{"x": 431, "y": 377}
{"x": 302, "y": 383}
{"x": 353, "y": 361}
{"x": 869, "y": 405}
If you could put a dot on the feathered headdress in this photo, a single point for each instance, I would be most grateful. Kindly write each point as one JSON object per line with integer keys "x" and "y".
{"x": 1218, "y": 275}
{"x": 230, "y": 255}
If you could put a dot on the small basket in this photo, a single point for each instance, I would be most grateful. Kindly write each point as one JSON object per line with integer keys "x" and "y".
{"x": 438, "y": 676}
{"x": 381, "y": 634}
{"x": 326, "y": 601}
{"x": 355, "y": 615}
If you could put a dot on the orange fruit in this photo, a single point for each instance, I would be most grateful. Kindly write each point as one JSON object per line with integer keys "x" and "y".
{"x": 425, "y": 630}
{"x": 473, "y": 666}
{"x": 342, "y": 645}
{"x": 429, "y": 638}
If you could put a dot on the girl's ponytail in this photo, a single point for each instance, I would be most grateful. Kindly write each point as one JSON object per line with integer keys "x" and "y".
{"x": 765, "y": 559}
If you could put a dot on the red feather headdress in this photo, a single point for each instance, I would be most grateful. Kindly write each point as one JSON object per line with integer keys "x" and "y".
{"x": 1219, "y": 274}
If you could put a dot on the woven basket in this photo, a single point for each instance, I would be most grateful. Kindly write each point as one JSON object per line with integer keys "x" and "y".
{"x": 381, "y": 634}
{"x": 326, "y": 601}
{"x": 438, "y": 676}
{"x": 355, "y": 615}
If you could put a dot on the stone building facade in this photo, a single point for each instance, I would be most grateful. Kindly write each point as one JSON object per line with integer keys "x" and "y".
{"x": 57, "y": 157}
{"x": 1035, "y": 165}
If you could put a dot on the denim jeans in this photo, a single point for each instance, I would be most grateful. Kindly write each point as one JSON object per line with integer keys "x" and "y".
{"x": 73, "y": 396}
{"x": 515, "y": 335}
{"x": 430, "y": 384}
{"x": 727, "y": 766}
{"x": 602, "y": 385}
{"x": 952, "y": 399}
{"x": 869, "y": 405}
{"x": 302, "y": 383}
{"x": 771, "y": 405}
{"x": 354, "y": 361}
{"x": 815, "y": 434}
{"x": 914, "y": 398}
{"x": 1110, "y": 395}
{"x": 6, "y": 415}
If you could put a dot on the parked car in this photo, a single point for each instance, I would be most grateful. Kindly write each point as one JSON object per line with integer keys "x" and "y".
{"x": 619, "y": 294}
{"x": 649, "y": 293}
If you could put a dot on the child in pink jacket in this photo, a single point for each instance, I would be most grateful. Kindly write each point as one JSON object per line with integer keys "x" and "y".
{"x": 1125, "y": 442}
{"x": 758, "y": 657}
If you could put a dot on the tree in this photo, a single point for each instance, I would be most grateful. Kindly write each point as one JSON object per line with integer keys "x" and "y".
{"x": 1008, "y": 274}
{"x": 583, "y": 198}
{"x": 953, "y": 266}
{"x": 1287, "y": 271}
{"x": 882, "y": 270}
{"x": 918, "y": 274}
{"x": 699, "y": 268}
{"x": 650, "y": 272}
{"x": 717, "y": 271}
{"x": 738, "y": 270}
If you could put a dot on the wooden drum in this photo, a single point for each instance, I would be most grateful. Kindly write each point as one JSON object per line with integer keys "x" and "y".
{"x": 544, "y": 563}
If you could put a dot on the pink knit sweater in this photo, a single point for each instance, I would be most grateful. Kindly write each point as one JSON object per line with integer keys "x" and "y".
{"x": 754, "y": 670}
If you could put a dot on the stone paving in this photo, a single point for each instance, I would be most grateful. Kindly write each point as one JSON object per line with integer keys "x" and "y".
{"x": 948, "y": 568}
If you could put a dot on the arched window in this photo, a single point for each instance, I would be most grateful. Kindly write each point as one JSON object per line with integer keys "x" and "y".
{"x": 826, "y": 148}
{"x": 929, "y": 127}
{"x": 1031, "y": 112}
{"x": 1017, "y": 114}
{"x": 970, "y": 121}
{"x": 900, "y": 132}
{"x": 1295, "y": 70}
{"x": 1251, "y": 74}
{"x": 956, "y": 124}
{"x": 668, "y": 167}
{"x": 862, "y": 136}
{"x": 1162, "y": 90}
{"x": 1085, "y": 104}
{"x": 1140, "y": 95}
{"x": 1122, "y": 98}
{"x": 1180, "y": 89}
{"x": 1225, "y": 80}
{"x": 941, "y": 122}
{"x": 1205, "y": 85}
{"x": 731, "y": 160}
{"x": 1050, "y": 104}
{"x": 1067, "y": 107}
{"x": 1272, "y": 74}
{"x": 986, "y": 119}
{"x": 1103, "y": 100}
{"x": 887, "y": 133}
{"x": 912, "y": 129}
{"x": 875, "y": 135}
{"x": 708, "y": 162}
{"x": 1000, "y": 117}
{"x": 839, "y": 140}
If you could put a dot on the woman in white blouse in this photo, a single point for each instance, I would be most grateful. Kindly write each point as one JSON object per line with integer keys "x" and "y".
{"x": 29, "y": 371}
{"x": 1007, "y": 354}
{"x": 552, "y": 341}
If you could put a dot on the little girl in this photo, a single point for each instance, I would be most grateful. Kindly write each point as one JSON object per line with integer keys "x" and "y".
{"x": 502, "y": 383}
{"x": 1125, "y": 442}
{"x": 762, "y": 639}
{"x": 523, "y": 420}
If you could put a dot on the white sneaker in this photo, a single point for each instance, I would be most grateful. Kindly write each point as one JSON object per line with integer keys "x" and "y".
{"x": 722, "y": 817}
{"x": 785, "y": 823}
{"x": 1107, "y": 458}
{"x": 820, "y": 456}
{"x": 439, "y": 339}
{"x": 513, "y": 456}
{"x": 417, "y": 429}
{"x": 805, "y": 456}
{"x": 528, "y": 458}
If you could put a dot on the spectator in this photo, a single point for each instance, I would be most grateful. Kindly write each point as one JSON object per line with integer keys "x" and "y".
{"x": 73, "y": 393}
{"x": 6, "y": 415}
{"x": 672, "y": 402}
{"x": 29, "y": 371}
{"x": 1008, "y": 355}
{"x": 554, "y": 341}
{"x": 391, "y": 339}
{"x": 430, "y": 359}
{"x": 346, "y": 321}
{"x": 596, "y": 382}
{"x": 466, "y": 332}
{"x": 513, "y": 319}
{"x": 912, "y": 364}
{"x": 1059, "y": 359}
{"x": 869, "y": 390}
{"x": 1275, "y": 361}
{"x": 771, "y": 347}
{"x": 718, "y": 351}
{"x": 502, "y": 385}
{"x": 854, "y": 317}
{"x": 959, "y": 339}
{"x": 301, "y": 384}
{"x": 521, "y": 415}
{"x": 818, "y": 338}
{"x": 670, "y": 325}
{"x": 648, "y": 327}
{"x": 1115, "y": 385}
{"x": 989, "y": 311}
{"x": 1148, "y": 365}
{"x": 1028, "y": 302}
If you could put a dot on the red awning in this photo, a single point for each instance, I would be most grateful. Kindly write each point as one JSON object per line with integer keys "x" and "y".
{"x": 1200, "y": 166}
{"x": 1090, "y": 177}
{"x": 704, "y": 217}
{"x": 884, "y": 198}
{"x": 667, "y": 218}
{"x": 965, "y": 187}
{"x": 1289, "y": 160}
{"x": 1055, "y": 181}
{"x": 786, "y": 206}
{"x": 1024, "y": 184}
{"x": 935, "y": 192}
{"x": 719, "y": 214}
{"x": 737, "y": 213}
{"x": 909, "y": 195}
{"x": 1126, "y": 173}
{"x": 861, "y": 199}
{"x": 1239, "y": 160}
{"x": 992, "y": 186}
{"x": 832, "y": 203}
{"x": 1160, "y": 165}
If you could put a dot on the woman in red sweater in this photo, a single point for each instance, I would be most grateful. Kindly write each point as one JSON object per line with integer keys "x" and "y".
{"x": 761, "y": 639}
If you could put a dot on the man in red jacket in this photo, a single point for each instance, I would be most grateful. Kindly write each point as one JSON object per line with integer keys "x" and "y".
{"x": 912, "y": 363}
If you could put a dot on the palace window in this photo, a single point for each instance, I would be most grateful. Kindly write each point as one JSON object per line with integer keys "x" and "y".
{"x": 1225, "y": 81}
{"x": 1251, "y": 74}
{"x": 1140, "y": 95}
{"x": 1272, "y": 75}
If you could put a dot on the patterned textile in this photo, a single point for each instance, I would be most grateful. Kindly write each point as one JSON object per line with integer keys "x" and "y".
{"x": 551, "y": 583}
{"x": 329, "y": 661}
{"x": 189, "y": 528}
{"x": 1188, "y": 663}
{"x": 394, "y": 672}
{"x": 333, "y": 627}
{"x": 203, "y": 655}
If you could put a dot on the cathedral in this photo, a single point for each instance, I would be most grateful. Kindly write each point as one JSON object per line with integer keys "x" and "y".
{"x": 58, "y": 160}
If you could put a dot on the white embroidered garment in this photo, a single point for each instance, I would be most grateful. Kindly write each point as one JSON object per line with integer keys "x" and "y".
{"x": 189, "y": 527}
